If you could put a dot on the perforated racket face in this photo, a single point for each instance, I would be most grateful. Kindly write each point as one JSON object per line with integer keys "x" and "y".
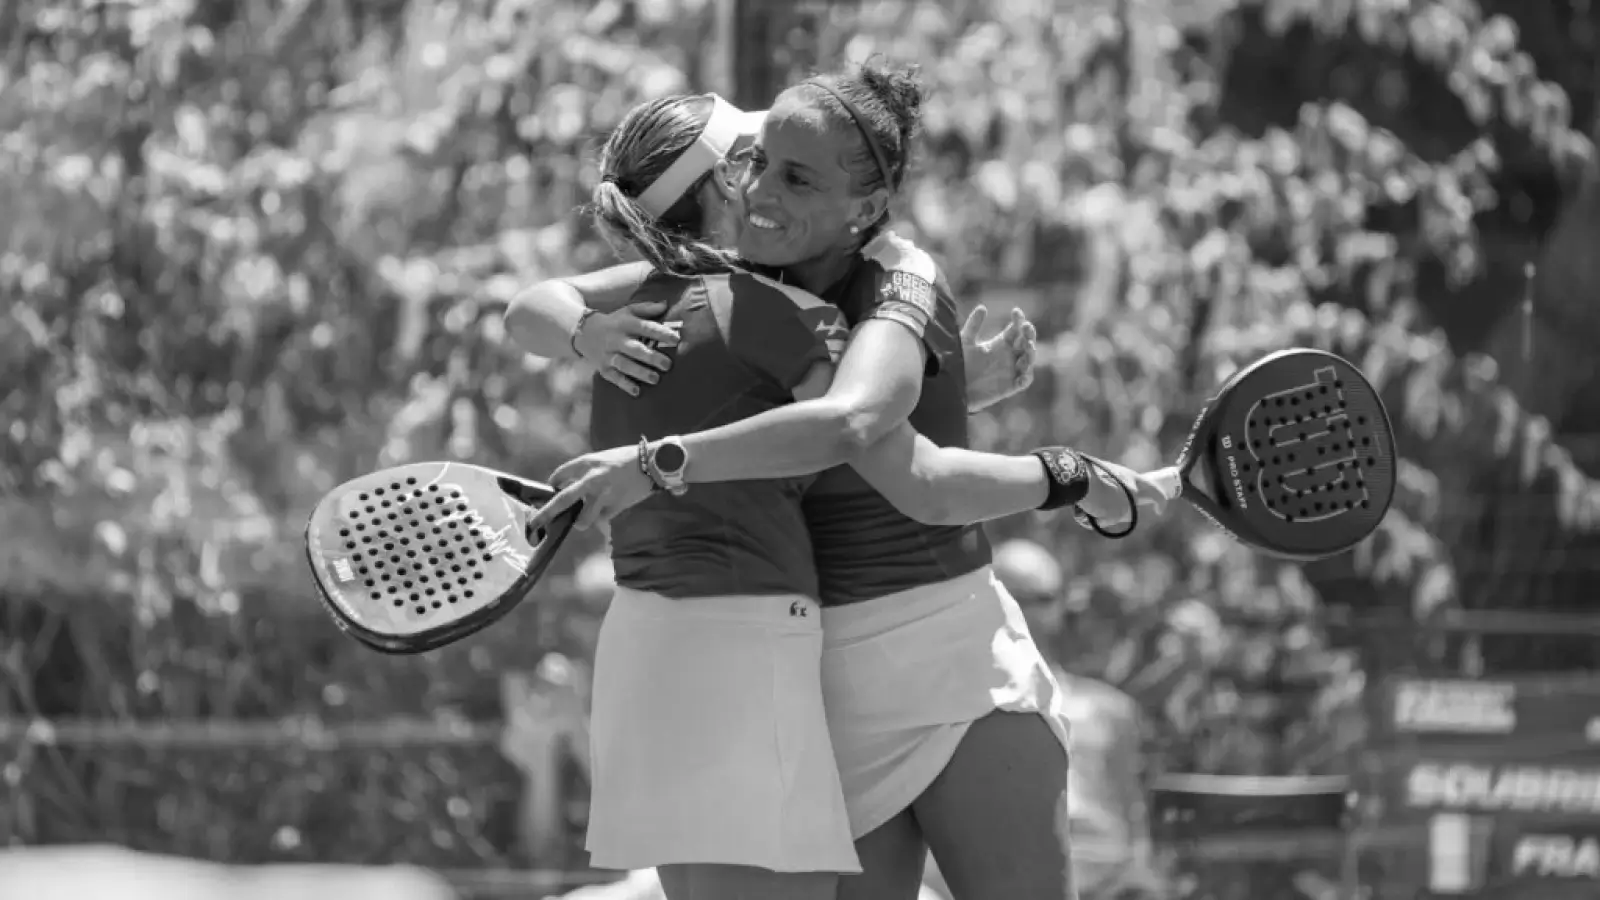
{"x": 1301, "y": 453}
{"x": 416, "y": 556}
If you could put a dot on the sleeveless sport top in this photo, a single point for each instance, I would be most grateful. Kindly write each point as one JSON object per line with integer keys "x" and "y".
{"x": 864, "y": 547}
{"x": 745, "y": 343}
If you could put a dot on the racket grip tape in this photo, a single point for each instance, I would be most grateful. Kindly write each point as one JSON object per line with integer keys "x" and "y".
{"x": 1169, "y": 481}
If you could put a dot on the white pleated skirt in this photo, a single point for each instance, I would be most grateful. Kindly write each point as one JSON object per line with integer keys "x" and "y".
{"x": 709, "y": 742}
{"x": 903, "y": 676}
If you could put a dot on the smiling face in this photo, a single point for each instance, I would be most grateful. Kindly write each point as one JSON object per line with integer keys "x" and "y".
{"x": 800, "y": 197}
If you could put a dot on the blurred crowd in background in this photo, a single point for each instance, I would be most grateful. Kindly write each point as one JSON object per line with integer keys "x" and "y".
{"x": 252, "y": 249}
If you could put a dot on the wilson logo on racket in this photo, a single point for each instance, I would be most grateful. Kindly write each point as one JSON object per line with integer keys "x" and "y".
{"x": 1304, "y": 434}
{"x": 1294, "y": 455}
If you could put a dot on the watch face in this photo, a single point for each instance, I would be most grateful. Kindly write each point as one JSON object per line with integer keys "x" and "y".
{"x": 669, "y": 457}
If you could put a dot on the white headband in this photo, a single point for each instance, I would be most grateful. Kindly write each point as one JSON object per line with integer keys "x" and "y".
{"x": 727, "y": 125}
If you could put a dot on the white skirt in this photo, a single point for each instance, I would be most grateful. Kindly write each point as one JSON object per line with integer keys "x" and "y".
{"x": 904, "y": 675}
{"x": 708, "y": 738}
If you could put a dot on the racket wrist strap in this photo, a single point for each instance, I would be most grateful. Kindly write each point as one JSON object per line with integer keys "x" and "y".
{"x": 1066, "y": 477}
{"x": 1090, "y": 522}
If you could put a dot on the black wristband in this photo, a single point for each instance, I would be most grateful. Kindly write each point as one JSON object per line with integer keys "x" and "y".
{"x": 1089, "y": 522}
{"x": 1068, "y": 477}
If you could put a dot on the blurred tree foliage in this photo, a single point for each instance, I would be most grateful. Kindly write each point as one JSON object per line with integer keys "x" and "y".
{"x": 251, "y": 249}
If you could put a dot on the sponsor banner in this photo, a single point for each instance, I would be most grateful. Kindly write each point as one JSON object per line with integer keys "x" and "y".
{"x": 1459, "y": 851}
{"x": 1501, "y": 857}
{"x": 1496, "y": 831}
{"x": 1459, "y": 785}
{"x": 1535, "y": 852}
{"x": 1461, "y": 710}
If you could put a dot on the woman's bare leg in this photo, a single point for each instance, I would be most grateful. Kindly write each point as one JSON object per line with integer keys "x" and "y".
{"x": 996, "y": 817}
{"x": 892, "y": 858}
{"x": 706, "y": 881}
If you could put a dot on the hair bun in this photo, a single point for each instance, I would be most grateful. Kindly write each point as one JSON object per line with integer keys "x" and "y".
{"x": 900, "y": 89}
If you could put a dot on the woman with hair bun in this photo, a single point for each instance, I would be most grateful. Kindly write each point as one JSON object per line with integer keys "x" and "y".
{"x": 943, "y": 716}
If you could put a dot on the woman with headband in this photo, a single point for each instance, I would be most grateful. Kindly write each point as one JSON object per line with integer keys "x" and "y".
{"x": 945, "y": 719}
{"x": 696, "y": 770}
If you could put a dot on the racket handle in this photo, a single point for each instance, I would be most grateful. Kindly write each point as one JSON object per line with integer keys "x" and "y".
{"x": 529, "y": 493}
{"x": 1168, "y": 481}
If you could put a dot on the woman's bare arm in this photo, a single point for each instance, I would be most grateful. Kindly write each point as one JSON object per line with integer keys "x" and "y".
{"x": 878, "y": 384}
{"x": 932, "y": 484}
{"x": 954, "y": 486}
{"x": 940, "y": 485}
{"x": 541, "y": 318}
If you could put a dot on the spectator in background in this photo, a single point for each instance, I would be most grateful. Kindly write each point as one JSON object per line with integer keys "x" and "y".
{"x": 547, "y": 728}
{"x": 1109, "y": 825}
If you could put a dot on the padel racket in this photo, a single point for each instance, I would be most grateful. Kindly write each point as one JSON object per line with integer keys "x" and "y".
{"x": 1293, "y": 456}
{"x": 414, "y": 557}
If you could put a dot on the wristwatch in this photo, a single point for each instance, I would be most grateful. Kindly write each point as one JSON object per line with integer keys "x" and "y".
{"x": 667, "y": 462}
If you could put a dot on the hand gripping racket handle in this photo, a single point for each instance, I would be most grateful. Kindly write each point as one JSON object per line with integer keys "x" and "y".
{"x": 534, "y": 493}
{"x": 1169, "y": 481}
{"x": 529, "y": 493}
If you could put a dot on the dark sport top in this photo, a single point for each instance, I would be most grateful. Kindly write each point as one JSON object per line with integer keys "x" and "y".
{"x": 864, "y": 547}
{"x": 745, "y": 343}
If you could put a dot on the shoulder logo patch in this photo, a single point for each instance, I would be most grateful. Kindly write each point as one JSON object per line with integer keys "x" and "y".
{"x": 907, "y": 288}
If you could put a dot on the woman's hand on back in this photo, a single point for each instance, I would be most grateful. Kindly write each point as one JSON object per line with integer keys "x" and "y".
{"x": 622, "y": 345}
{"x": 1001, "y": 366}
